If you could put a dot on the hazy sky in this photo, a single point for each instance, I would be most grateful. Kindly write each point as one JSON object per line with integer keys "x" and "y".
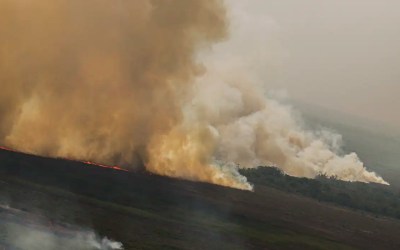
{"x": 340, "y": 54}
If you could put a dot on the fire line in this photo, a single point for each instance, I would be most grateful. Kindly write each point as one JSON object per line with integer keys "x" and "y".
{"x": 85, "y": 162}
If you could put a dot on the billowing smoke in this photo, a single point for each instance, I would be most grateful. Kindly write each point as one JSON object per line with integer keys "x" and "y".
{"x": 119, "y": 82}
{"x": 253, "y": 130}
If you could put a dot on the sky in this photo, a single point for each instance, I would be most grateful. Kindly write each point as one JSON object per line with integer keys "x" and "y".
{"x": 342, "y": 55}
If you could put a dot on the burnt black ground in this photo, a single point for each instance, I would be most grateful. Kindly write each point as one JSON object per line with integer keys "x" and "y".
{"x": 146, "y": 211}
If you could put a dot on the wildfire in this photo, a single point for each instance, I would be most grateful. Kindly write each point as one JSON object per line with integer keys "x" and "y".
{"x": 104, "y": 166}
{"x": 8, "y": 149}
{"x": 85, "y": 162}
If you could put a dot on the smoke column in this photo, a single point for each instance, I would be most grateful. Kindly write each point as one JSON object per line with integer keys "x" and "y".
{"x": 119, "y": 82}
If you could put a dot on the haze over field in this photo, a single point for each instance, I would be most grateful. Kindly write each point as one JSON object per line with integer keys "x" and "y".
{"x": 342, "y": 55}
{"x": 175, "y": 86}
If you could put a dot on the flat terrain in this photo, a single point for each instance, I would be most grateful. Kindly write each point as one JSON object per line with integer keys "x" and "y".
{"x": 145, "y": 211}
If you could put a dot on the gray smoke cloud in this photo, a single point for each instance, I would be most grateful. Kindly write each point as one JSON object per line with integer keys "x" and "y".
{"x": 251, "y": 128}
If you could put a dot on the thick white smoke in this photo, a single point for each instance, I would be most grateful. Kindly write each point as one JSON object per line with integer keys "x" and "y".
{"x": 250, "y": 129}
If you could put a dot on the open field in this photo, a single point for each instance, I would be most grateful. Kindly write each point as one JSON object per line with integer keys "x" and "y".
{"x": 145, "y": 211}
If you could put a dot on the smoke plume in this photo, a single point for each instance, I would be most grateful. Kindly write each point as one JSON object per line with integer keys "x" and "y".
{"x": 26, "y": 238}
{"x": 120, "y": 82}
{"x": 39, "y": 233}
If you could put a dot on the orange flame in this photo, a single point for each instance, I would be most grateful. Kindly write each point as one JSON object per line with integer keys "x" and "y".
{"x": 85, "y": 162}
{"x": 104, "y": 166}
